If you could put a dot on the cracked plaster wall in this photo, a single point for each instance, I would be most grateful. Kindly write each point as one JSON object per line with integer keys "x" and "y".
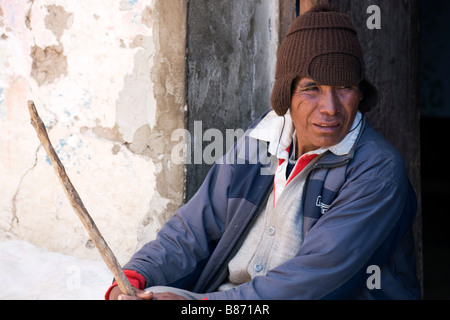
{"x": 107, "y": 78}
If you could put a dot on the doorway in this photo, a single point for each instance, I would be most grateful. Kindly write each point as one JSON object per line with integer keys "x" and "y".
{"x": 434, "y": 128}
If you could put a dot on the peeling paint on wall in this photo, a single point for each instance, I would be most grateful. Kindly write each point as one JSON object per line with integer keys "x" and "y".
{"x": 49, "y": 64}
{"x": 110, "y": 100}
{"x": 163, "y": 82}
{"x": 57, "y": 20}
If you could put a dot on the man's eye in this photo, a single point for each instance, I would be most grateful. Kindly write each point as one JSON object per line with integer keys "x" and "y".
{"x": 310, "y": 89}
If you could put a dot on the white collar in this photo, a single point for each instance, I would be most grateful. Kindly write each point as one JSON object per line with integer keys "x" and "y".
{"x": 279, "y": 131}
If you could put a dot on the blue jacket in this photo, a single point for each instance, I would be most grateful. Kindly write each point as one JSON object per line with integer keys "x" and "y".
{"x": 372, "y": 206}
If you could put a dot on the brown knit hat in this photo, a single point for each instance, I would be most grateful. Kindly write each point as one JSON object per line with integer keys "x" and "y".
{"x": 321, "y": 44}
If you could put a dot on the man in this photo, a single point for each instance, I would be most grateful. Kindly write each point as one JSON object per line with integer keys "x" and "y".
{"x": 337, "y": 206}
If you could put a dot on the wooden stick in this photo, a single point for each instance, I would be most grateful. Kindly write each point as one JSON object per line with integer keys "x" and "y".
{"x": 78, "y": 206}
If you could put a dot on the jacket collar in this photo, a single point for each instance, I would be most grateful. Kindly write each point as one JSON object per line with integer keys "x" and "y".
{"x": 332, "y": 160}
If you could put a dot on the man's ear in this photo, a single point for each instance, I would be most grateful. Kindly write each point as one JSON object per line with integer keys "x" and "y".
{"x": 369, "y": 96}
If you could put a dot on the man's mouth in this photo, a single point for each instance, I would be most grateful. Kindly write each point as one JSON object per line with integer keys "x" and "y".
{"x": 328, "y": 127}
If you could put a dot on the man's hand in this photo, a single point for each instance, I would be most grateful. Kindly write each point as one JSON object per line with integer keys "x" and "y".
{"x": 116, "y": 294}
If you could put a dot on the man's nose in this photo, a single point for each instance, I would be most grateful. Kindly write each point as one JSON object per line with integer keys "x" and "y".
{"x": 329, "y": 102}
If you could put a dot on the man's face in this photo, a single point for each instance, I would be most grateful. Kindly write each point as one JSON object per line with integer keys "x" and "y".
{"x": 322, "y": 115}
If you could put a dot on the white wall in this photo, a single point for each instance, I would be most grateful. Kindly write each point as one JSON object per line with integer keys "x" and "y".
{"x": 107, "y": 78}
